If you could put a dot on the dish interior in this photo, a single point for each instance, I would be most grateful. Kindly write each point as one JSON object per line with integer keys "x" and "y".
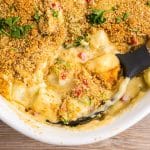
{"x": 58, "y": 59}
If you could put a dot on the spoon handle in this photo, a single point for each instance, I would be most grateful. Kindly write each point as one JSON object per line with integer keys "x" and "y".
{"x": 135, "y": 62}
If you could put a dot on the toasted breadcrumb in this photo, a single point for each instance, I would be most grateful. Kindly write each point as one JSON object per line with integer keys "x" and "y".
{"x": 43, "y": 42}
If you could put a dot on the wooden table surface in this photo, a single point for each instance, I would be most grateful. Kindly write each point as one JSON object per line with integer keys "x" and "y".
{"x": 135, "y": 138}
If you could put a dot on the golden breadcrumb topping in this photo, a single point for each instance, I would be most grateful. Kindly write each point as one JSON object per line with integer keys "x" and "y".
{"x": 127, "y": 24}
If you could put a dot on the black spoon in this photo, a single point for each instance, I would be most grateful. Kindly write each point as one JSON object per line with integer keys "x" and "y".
{"x": 135, "y": 62}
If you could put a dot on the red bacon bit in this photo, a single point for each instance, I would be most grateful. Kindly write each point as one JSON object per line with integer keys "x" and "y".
{"x": 88, "y": 1}
{"x": 125, "y": 98}
{"x": 134, "y": 40}
{"x": 78, "y": 92}
{"x": 82, "y": 56}
{"x": 64, "y": 75}
{"x": 56, "y": 6}
{"x": 85, "y": 82}
{"x": 53, "y": 5}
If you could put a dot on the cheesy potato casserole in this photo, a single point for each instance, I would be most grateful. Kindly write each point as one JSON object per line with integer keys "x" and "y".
{"x": 57, "y": 57}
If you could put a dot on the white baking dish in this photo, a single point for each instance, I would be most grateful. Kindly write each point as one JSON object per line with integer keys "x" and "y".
{"x": 62, "y": 136}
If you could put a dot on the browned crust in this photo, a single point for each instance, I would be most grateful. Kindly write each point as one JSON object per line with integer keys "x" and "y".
{"x": 21, "y": 57}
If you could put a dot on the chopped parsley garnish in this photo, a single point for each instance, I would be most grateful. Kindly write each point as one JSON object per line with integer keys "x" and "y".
{"x": 67, "y": 45}
{"x": 9, "y": 27}
{"x": 77, "y": 41}
{"x": 148, "y": 3}
{"x": 37, "y": 16}
{"x": 118, "y": 20}
{"x": 20, "y": 31}
{"x": 11, "y": 21}
{"x": 65, "y": 121}
{"x": 114, "y": 8}
{"x": 55, "y": 13}
{"x": 60, "y": 65}
{"x": 125, "y": 16}
{"x": 96, "y": 17}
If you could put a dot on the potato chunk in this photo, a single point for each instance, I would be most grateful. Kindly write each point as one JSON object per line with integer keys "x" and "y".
{"x": 147, "y": 76}
{"x": 103, "y": 63}
{"x": 47, "y": 104}
{"x": 99, "y": 40}
{"x": 106, "y": 67}
{"x": 133, "y": 89}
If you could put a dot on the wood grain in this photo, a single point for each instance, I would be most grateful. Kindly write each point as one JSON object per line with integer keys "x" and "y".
{"x": 135, "y": 138}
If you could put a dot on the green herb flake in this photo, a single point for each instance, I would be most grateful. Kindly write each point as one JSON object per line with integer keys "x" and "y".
{"x": 67, "y": 45}
{"x": 80, "y": 40}
{"x": 114, "y": 8}
{"x": 16, "y": 32}
{"x": 65, "y": 121}
{"x": 89, "y": 101}
{"x": 37, "y": 16}
{"x": 20, "y": 31}
{"x": 86, "y": 101}
{"x": 118, "y": 20}
{"x": 26, "y": 29}
{"x": 2, "y": 24}
{"x": 59, "y": 61}
{"x": 96, "y": 17}
{"x": 77, "y": 41}
{"x": 14, "y": 49}
{"x": 11, "y": 21}
{"x": 148, "y": 3}
{"x": 9, "y": 27}
{"x": 125, "y": 16}
{"x": 55, "y": 13}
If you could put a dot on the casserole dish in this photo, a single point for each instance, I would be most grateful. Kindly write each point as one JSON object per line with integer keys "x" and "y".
{"x": 61, "y": 75}
{"x": 62, "y": 136}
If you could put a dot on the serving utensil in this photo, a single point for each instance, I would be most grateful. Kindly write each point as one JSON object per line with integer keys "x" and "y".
{"x": 135, "y": 62}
